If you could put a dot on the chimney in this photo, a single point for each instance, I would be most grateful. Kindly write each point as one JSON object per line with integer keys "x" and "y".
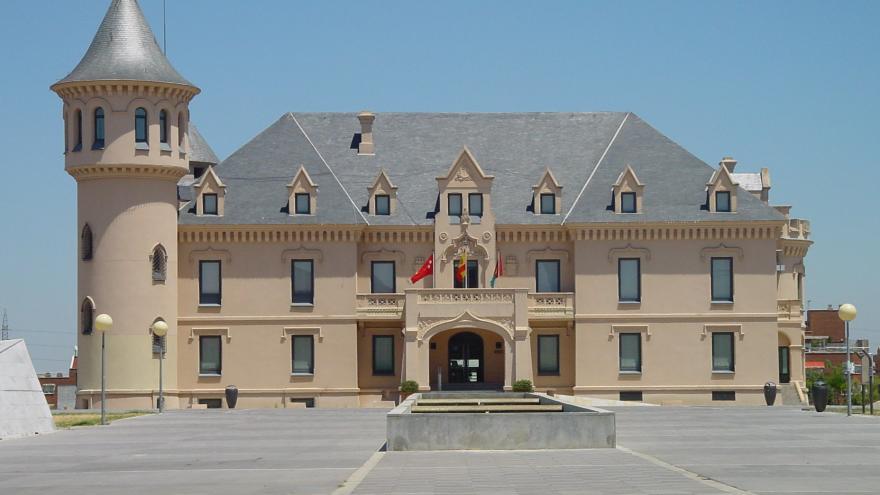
{"x": 366, "y": 146}
{"x": 728, "y": 162}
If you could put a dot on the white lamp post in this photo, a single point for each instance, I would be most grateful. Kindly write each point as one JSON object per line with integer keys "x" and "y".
{"x": 847, "y": 313}
{"x": 160, "y": 329}
{"x": 103, "y": 324}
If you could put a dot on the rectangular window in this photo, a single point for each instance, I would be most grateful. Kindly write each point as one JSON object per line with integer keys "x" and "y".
{"x": 547, "y": 276}
{"x": 548, "y": 204}
{"x": 383, "y": 354}
{"x": 382, "y": 277}
{"x": 210, "y": 283}
{"x": 722, "y": 351}
{"x": 475, "y": 204}
{"x": 628, "y": 202}
{"x": 629, "y": 280}
{"x": 722, "y": 201}
{"x": 302, "y": 352}
{"x": 548, "y": 354}
{"x": 634, "y": 396}
{"x": 723, "y": 395}
{"x": 212, "y": 403}
{"x": 209, "y": 204}
{"x": 722, "y": 279}
{"x": 630, "y": 352}
{"x": 472, "y": 276}
{"x": 303, "y": 203}
{"x": 453, "y": 206}
{"x": 48, "y": 388}
{"x": 383, "y": 204}
{"x": 302, "y": 281}
{"x": 210, "y": 355}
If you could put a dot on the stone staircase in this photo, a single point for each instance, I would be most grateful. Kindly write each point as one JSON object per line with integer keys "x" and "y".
{"x": 792, "y": 394}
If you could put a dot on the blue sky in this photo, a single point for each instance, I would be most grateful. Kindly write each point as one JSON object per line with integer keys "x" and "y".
{"x": 793, "y": 86}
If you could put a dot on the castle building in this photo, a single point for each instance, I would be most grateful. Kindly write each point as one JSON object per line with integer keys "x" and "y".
{"x": 585, "y": 252}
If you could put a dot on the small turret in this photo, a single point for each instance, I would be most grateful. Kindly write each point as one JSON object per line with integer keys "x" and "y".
{"x": 126, "y": 117}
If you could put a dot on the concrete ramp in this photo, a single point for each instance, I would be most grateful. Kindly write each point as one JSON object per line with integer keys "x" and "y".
{"x": 23, "y": 408}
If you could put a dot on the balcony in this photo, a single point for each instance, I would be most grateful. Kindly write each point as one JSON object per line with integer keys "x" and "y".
{"x": 444, "y": 302}
{"x": 380, "y": 306}
{"x": 551, "y": 305}
{"x": 796, "y": 228}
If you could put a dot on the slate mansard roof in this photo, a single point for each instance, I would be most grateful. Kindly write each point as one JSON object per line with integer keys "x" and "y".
{"x": 585, "y": 151}
{"x": 125, "y": 49}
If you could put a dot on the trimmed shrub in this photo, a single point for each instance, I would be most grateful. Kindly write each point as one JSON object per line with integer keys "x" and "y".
{"x": 522, "y": 386}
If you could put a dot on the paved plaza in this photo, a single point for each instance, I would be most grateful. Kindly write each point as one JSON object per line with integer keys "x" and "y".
{"x": 663, "y": 450}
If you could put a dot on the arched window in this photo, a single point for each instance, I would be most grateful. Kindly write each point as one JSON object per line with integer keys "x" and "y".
{"x": 163, "y": 127}
{"x": 85, "y": 243}
{"x": 140, "y": 125}
{"x": 181, "y": 130}
{"x": 87, "y": 316}
{"x": 99, "y": 129}
{"x": 79, "y": 131}
{"x": 159, "y": 260}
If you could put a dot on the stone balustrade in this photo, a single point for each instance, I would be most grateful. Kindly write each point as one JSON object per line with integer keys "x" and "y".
{"x": 554, "y": 305}
{"x": 796, "y": 228}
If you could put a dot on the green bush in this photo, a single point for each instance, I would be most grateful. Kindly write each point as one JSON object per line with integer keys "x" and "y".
{"x": 409, "y": 387}
{"x": 522, "y": 386}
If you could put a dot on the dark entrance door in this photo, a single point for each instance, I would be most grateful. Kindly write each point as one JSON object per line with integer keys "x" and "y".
{"x": 784, "y": 365}
{"x": 465, "y": 358}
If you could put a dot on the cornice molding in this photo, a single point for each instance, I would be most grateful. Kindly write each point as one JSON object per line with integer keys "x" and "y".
{"x": 399, "y": 256}
{"x": 534, "y": 254}
{"x": 92, "y": 172}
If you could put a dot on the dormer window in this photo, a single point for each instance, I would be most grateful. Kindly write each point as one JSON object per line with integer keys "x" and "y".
{"x": 454, "y": 204}
{"x": 209, "y": 204}
{"x": 475, "y": 204}
{"x": 721, "y": 189}
{"x": 548, "y": 204}
{"x": 382, "y": 196}
{"x": 547, "y": 195}
{"x": 302, "y": 194}
{"x": 627, "y": 192}
{"x": 628, "y": 202}
{"x": 383, "y": 204}
{"x": 303, "y": 204}
{"x": 722, "y": 201}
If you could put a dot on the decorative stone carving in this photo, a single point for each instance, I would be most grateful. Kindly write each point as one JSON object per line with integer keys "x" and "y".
{"x": 464, "y": 244}
{"x": 487, "y": 236}
{"x": 443, "y": 237}
{"x": 721, "y": 249}
{"x": 547, "y": 253}
{"x": 302, "y": 252}
{"x": 457, "y": 296}
{"x": 209, "y": 253}
{"x": 399, "y": 256}
{"x": 628, "y": 251}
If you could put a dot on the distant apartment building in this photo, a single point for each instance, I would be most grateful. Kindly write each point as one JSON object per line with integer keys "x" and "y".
{"x": 60, "y": 389}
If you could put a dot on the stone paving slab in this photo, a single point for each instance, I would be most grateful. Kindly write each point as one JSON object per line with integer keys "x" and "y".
{"x": 548, "y": 472}
{"x": 284, "y": 451}
{"x": 779, "y": 450}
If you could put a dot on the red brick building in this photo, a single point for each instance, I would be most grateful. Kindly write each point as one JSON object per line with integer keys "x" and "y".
{"x": 59, "y": 388}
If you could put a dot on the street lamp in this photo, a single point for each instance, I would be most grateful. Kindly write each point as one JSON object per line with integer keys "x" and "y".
{"x": 847, "y": 313}
{"x": 103, "y": 324}
{"x": 160, "y": 329}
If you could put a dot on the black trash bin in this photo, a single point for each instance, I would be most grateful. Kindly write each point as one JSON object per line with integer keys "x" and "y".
{"x": 770, "y": 393}
{"x": 820, "y": 395}
{"x": 231, "y": 396}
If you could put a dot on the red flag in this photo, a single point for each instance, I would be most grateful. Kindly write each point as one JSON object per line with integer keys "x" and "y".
{"x": 424, "y": 271}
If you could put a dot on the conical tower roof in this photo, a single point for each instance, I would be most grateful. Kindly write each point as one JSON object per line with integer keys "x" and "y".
{"x": 125, "y": 49}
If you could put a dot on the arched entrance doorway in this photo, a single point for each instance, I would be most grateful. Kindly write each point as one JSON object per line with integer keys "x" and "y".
{"x": 465, "y": 358}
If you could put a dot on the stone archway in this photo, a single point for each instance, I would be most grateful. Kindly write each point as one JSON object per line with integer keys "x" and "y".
{"x": 418, "y": 348}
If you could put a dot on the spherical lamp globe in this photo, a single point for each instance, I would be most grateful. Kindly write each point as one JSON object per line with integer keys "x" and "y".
{"x": 103, "y": 323}
{"x": 847, "y": 312}
{"x": 160, "y": 328}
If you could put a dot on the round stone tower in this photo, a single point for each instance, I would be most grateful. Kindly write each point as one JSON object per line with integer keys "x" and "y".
{"x": 125, "y": 142}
